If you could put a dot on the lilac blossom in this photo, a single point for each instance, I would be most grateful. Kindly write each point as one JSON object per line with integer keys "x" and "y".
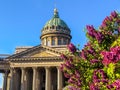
{"x": 114, "y": 14}
{"x": 71, "y": 48}
{"x": 111, "y": 56}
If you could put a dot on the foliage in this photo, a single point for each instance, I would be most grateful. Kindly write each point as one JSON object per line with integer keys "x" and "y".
{"x": 96, "y": 66}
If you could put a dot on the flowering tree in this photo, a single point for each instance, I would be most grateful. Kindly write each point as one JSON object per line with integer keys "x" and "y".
{"x": 97, "y": 65}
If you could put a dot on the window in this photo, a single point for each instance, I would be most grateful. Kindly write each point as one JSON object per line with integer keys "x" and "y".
{"x": 59, "y": 41}
{"x": 64, "y": 41}
{"x": 53, "y": 41}
{"x": 48, "y": 42}
{"x": 53, "y": 27}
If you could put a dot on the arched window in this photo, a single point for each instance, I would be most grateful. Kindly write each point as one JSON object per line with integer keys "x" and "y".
{"x": 48, "y": 42}
{"x": 53, "y": 27}
{"x": 59, "y": 27}
{"x": 59, "y": 41}
{"x": 53, "y": 41}
{"x": 47, "y": 27}
{"x": 64, "y": 41}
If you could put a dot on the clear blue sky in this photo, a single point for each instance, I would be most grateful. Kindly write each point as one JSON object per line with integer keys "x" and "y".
{"x": 21, "y": 21}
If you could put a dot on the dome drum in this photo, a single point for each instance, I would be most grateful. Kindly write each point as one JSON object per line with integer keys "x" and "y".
{"x": 55, "y": 35}
{"x": 55, "y": 31}
{"x": 55, "y": 40}
{"x": 60, "y": 29}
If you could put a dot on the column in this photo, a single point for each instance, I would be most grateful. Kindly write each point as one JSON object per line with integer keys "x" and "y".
{"x": 12, "y": 79}
{"x": 34, "y": 86}
{"x": 15, "y": 79}
{"x": 5, "y": 80}
{"x": 22, "y": 79}
{"x": 62, "y": 41}
{"x": 48, "y": 79}
{"x": 59, "y": 79}
{"x": 56, "y": 41}
{"x": 50, "y": 41}
{"x": 8, "y": 81}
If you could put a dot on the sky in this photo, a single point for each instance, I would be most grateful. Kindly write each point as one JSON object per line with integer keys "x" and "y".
{"x": 21, "y": 21}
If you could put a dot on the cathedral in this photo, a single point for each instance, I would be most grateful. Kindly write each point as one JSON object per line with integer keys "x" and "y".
{"x": 38, "y": 67}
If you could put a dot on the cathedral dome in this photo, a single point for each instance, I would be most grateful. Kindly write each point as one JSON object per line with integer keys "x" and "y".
{"x": 55, "y": 25}
{"x": 56, "y": 21}
{"x": 55, "y": 28}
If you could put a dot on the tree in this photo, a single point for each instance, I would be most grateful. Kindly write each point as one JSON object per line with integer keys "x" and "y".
{"x": 96, "y": 66}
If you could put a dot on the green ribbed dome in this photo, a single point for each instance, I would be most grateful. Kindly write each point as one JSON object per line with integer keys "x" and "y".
{"x": 56, "y": 21}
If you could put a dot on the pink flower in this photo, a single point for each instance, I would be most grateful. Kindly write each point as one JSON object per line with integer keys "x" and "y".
{"x": 119, "y": 29}
{"x": 115, "y": 84}
{"x": 94, "y": 61}
{"x": 67, "y": 75}
{"x": 93, "y": 87}
{"x": 106, "y": 61}
{"x": 77, "y": 74}
{"x": 63, "y": 57}
{"x": 83, "y": 54}
{"x": 118, "y": 21}
{"x": 112, "y": 56}
{"x": 114, "y": 14}
{"x": 71, "y": 48}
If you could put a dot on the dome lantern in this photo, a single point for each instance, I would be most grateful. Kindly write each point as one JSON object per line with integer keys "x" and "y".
{"x": 56, "y": 15}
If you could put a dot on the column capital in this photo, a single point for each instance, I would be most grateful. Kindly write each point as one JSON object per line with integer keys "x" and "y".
{"x": 6, "y": 71}
{"x": 22, "y": 68}
{"x": 47, "y": 67}
{"x": 34, "y": 68}
{"x": 12, "y": 70}
{"x": 58, "y": 67}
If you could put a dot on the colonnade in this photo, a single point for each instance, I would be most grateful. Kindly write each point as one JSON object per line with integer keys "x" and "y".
{"x": 33, "y": 79}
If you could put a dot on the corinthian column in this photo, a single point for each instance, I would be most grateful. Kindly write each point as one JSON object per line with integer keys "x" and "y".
{"x": 34, "y": 86}
{"x": 12, "y": 79}
{"x": 22, "y": 79}
{"x": 59, "y": 79}
{"x": 5, "y": 80}
{"x": 48, "y": 79}
{"x": 8, "y": 81}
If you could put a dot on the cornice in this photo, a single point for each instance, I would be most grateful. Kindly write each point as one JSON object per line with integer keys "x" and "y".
{"x": 55, "y": 34}
{"x": 36, "y": 59}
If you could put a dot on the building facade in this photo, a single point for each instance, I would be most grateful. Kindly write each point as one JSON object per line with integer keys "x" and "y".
{"x": 38, "y": 67}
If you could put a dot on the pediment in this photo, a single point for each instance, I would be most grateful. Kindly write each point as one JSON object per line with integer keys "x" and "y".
{"x": 37, "y": 51}
{"x": 41, "y": 53}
